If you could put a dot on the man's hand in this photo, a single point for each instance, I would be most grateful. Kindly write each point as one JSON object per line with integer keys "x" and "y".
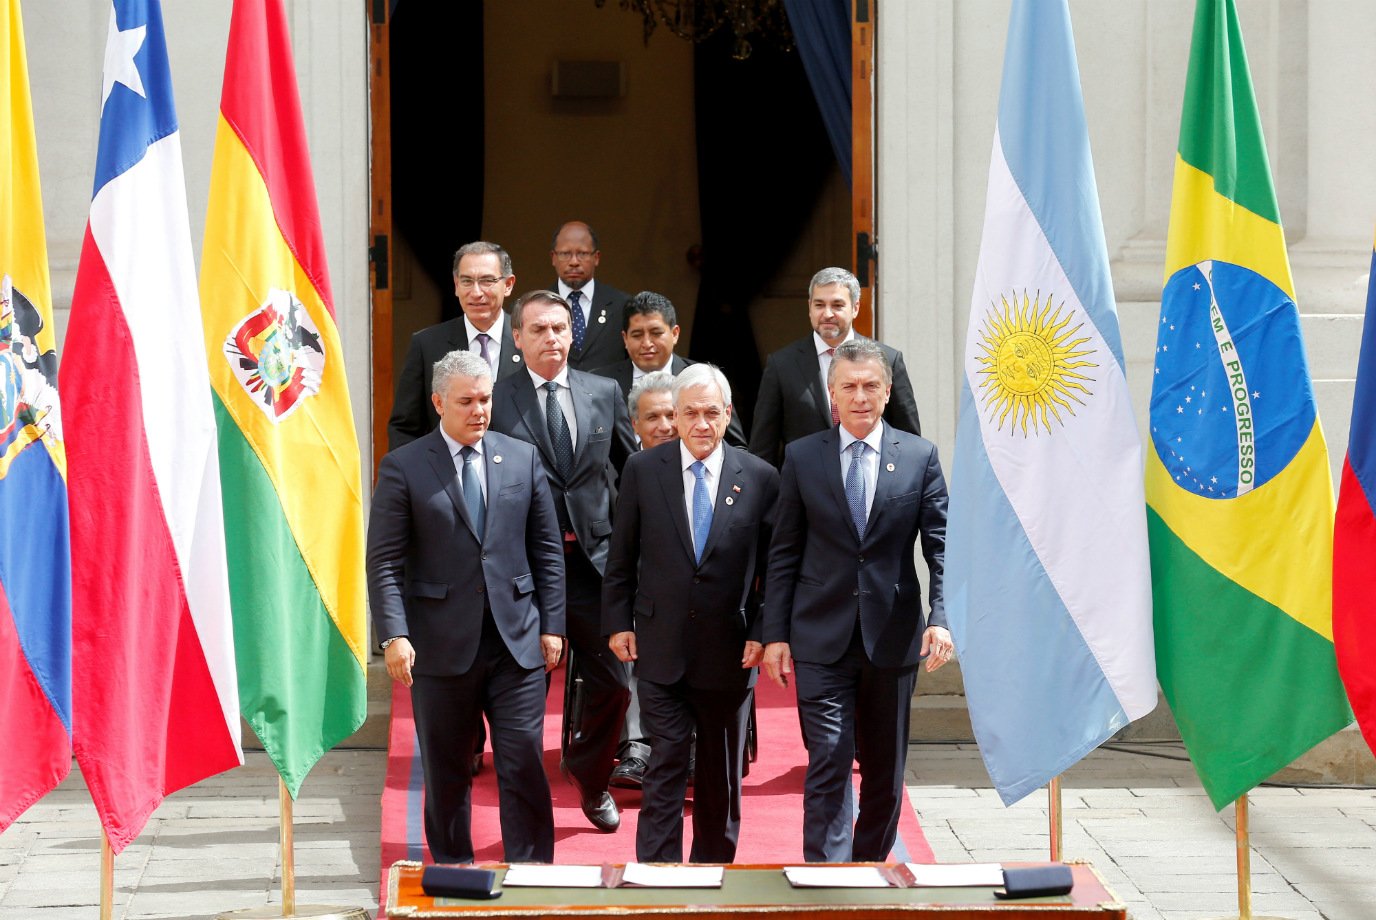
{"x": 754, "y": 651}
{"x": 553, "y": 647}
{"x": 937, "y": 647}
{"x": 399, "y": 656}
{"x": 622, "y": 645}
{"x": 778, "y": 662}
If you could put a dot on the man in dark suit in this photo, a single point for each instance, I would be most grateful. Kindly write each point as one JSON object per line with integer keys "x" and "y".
{"x": 793, "y": 399}
{"x": 595, "y": 305}
{"x": 580, "y": 426}
{"x": 650, "y": 333}
{"x": 466, "y": 585}
{"x": 680, "y": 600}
{"x": 843, "y": 606}
{"x": 482, "y": 281}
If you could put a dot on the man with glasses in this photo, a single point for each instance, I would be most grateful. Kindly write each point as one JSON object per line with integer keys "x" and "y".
{"x": 482, "y": 281}
{"x": 596, "y": 306}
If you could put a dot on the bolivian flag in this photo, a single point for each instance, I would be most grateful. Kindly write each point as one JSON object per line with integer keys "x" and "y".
{"x": 1240, "y": 500}
{"x": 288, "y": 452}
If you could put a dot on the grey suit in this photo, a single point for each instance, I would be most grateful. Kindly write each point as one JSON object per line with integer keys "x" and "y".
{"x": 792, "y": 402}
{"x": 851, "y": 611}
{"x": 413, "y": 414}
{"x": 474, "y": 607}
{"x": 583, "y": 503}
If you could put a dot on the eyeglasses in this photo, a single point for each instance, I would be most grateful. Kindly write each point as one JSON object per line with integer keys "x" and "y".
{"x": 568, "y": 255}
{"x": 487, "y": 283}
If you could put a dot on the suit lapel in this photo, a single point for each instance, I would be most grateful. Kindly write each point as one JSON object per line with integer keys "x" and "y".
{"x": 508, "y": 359}
{"x": 830, "y": 447}
{"x": 730, "y": 486}
{"x": 811, "y": 372}
{"x": 586, "y": 416}
{"x": 527, "y": 404}
{"x": 884, "y": 481}
{"x": 597, "y": 319}
{"x": 671, "y": 482}
{"x": 443, "y": 465}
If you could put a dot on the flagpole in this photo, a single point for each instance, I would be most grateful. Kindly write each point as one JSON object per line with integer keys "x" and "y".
{"x": 1244, "y": 864}
{"x": 1053, "y": 814}
{"x": 107, "y": 877}
{"x": 288, "y": 850}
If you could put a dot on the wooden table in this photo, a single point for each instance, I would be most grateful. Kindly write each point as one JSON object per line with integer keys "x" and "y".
{"x": 755, "y": 890}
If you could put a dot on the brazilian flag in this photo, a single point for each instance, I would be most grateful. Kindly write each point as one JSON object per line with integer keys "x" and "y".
{"x": 1239, "y": 494}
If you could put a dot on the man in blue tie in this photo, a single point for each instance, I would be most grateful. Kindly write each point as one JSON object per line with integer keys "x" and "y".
{"x": 680, "y": 599}
{"x": 843, "y": 606}
{"x": 595, "y": 305}
{"x": 466, "y": 587}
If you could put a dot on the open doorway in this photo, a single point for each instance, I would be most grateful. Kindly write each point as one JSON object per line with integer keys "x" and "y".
{"x": 708, "y": 179}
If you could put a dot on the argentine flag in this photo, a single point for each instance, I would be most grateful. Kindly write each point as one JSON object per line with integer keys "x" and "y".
{"x": 1048, "y": 588}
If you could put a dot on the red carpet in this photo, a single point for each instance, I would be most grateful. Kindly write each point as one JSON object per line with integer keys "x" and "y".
{"x": 772, "y": 810}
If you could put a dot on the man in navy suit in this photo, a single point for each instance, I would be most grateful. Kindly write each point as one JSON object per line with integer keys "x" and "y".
{"x": 595, "y": 305}
{"x": 466, "y": 585}
{"x": 843, "y": 606}
{"x": 482, "y": 281}
{"x": 579, "y": 425}
{"x": 680, "y": 599}
{"x": 793, "y": 401}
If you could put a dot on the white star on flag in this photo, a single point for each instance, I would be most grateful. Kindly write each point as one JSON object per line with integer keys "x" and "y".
{"x": 120, "y": 48}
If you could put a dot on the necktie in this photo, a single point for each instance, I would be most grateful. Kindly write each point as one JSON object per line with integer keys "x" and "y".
{"x": 855, "y": 487}
{"x": 558, "y": 432}
{"x": 483, "y": 340}
{"x": 835, "y": 412}
{"x": 702, "y": 509}
{"x": 473, "y": 492}
{"x": 580, "y": 325}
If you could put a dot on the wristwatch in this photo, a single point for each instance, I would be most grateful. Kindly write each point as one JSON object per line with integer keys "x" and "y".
{"x": 386, "y": 642}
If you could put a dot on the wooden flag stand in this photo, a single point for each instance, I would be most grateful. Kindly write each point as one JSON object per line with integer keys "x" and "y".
{"x": 107, "y": 877}
{"x": 289, "y": 906}
{"x": 1244, "y": 866}
{"x": 1053, "y": 816}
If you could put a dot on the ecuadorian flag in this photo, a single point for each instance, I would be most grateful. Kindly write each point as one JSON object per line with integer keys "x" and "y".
{"x": 289, "y": 455}
{"x": 1240, "y": 500}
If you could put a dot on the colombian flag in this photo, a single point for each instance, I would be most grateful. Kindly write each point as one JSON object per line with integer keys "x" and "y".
{"x": 1240, "y": 502}
{"x": 289, "y": 456}
{"x": 1354, "y": 538}
{"x": 35, "y": 568}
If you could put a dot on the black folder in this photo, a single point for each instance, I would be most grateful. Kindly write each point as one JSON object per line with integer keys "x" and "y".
{"x": 459, "y": 882}
{"x": 1036, "y": 882}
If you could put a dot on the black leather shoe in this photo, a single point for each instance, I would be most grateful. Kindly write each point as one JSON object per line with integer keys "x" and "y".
{"x": 601, "y": 810}
{"x": 629, "y": 774}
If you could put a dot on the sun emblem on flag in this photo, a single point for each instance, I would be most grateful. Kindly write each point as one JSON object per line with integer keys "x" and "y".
{"x": 28, "y": 379}
{"x": 277, "y": 355}
{"x": 1031, "y": 363}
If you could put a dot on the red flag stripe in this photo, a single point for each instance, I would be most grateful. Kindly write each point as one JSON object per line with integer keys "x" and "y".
{"x": 1354, "y": 587}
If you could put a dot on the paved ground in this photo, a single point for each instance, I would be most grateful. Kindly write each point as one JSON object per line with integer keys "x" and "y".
{"x": 1138, "y": 816}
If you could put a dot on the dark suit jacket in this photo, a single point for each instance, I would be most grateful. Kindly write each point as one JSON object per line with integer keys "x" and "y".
{"x": 691, "y": 620}
{"x": 820, "y": 571}
{"x": 429, "y": 573}
{"x": 623, "y": 372}
{"x": 793, "y": 403}
{"x": 603, "y": 443}
{"x": 412, "y": 412}
{"x": 602, "y": 344}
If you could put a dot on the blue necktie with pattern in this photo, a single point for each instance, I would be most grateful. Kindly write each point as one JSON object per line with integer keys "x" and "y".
{"x": 580, "y": 325}
{"x": 855, "y": 487}
{"x": 559, "y": 435}
{"x": 702, "y": 509}
{"x": 473, "y": 493}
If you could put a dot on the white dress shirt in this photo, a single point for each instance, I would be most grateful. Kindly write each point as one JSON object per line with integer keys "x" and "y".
{"x": 824, "y": 359}
{"x": 564, "y": 395}
{"x": 494, "y": 348}
{"x": 712, "y": 477}
{"x": 584, "y": 298}
{"x": 479, "y": 461}
{"x": 869, "y": 461}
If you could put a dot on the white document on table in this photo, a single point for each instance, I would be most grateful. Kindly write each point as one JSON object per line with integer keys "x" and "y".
{"x": 543, "y": 876}
{"x": 960, "y": 875}
{"x": 646, "y": 876}
{"x": 835, "y": 877}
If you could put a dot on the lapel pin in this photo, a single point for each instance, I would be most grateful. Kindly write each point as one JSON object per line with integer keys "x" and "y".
{"x": 602, "y": 317}
{"x": 600, "y": 429}
{"x": 515, "y": 359}
{"x": 730, "y": 500}
{"x": 889, "y": 467}
{"x": 735, "y": 489}
{"x": 496, "y": 458}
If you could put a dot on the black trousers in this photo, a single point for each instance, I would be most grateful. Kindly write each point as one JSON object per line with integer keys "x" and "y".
{"x": 448, "y": 711}
{"x": 606, "y": 692}
{"x": 671, "y": 714}
{"x": 851, "y": 712}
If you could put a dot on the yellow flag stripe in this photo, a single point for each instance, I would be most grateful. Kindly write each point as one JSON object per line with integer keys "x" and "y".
{"x": 1271, "y": 540}
{"x": 311, "y": 456}
{"x": 1206, "y": 225}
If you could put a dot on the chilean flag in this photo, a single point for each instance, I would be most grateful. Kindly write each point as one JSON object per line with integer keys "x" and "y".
{"x": 153, "y": 684}
{"x": 1354, "y": 539}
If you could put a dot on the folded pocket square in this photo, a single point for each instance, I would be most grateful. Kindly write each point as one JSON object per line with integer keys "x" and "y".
{"x": 1036, "y": 882}
{"x": 459, "y": 882}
